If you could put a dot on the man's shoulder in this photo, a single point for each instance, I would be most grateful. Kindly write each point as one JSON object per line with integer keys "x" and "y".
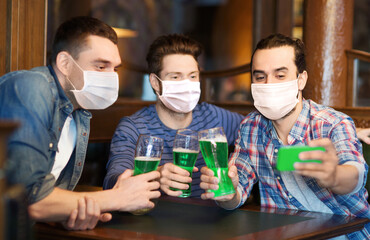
{"x": 142, "y": 116}
{"x": 325, "y": 113}
{"x": 29, "y": 79}
{"x": 202, "y": 107}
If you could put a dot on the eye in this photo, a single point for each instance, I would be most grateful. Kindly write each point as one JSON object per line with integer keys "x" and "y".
{"x": 174, "y": 77}
{"x": 259, "y": 78}
{"x": 280, "y": 76}
{"x": 100, "y": 67}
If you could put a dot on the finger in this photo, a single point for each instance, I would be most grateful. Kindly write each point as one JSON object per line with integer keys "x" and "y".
{"x": 312, "y": 155}
{"x": 170, "y": 192}
{"x": 149, "y": 176}
{"x": 225, "y": 197}
{"x": 207, "y": 171}
{"x": 105, "y": 217}
{"x": 207, "y": 195}
{"x": 153, "y": 185}
{"x": 72, "y": 219}
{"x": 207, "y": 186}
{"x": 172, "y": 168}
{"x": 126, "y": 174}
{"x": 89, "y": 214}
{"x": 154, "y": 194}
{"x": 309, "y": 167}
{"x": 233, "y": 172}
{"x": 323, "y": 142}
{"x": 178, "y": 185}
{"x": 208, "y": 179}
{"x": 95, "y": 216}
{"x": 314, "y": 174}
{"x": 81, "y": 213}
{"x": 195, "y": 169}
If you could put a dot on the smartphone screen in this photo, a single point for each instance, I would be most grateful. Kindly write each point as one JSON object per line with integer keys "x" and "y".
{"x": 288, "y": 155}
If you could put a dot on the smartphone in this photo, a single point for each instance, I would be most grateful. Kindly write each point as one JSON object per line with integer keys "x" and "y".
{"x": 287, "y": 156}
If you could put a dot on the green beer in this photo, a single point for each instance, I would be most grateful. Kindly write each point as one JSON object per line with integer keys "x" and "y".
{"x": 215, "y": 154}
{"x": 185, "y": 159}
{"x": 145, "y": 164}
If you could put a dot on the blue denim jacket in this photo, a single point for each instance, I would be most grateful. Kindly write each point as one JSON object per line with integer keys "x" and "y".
{"x": 37, "y": 101}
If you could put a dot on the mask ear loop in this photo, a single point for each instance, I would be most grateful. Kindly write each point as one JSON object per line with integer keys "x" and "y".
{"x": 299, "y": 91}
{"x": 79, "y": 68}
{"x": 160, "y": 84}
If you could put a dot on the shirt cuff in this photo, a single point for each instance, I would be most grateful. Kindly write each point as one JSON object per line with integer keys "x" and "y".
{"x": 361, "y": 170}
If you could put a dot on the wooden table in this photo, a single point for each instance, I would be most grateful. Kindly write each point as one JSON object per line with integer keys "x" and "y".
{"x": 175, "y": 218}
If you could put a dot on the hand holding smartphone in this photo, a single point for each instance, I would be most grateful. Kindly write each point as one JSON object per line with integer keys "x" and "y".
{"x": 288, "y": 155}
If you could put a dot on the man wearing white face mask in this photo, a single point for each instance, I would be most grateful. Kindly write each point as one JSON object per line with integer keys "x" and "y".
{"x": 284, "y": 118}
{"x": 174, "y": 77}
{"x": 47, "y": 152}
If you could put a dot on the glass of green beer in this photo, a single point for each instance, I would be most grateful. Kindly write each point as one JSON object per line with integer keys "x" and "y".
{"x": 148, "y": 153}
{"x": 185, "y": 153}
{"x": 214, "y": 148}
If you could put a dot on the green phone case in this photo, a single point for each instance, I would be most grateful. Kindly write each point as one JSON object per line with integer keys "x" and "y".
{"x": 287, "y": 156}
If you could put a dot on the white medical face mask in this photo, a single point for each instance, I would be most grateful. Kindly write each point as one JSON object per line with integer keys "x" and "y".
{"x": 275, "y": 100}
{"x": 180, "y": 96}
{"x": 100, "y": 89}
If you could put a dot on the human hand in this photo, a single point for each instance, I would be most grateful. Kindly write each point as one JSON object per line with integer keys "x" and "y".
{"x": 175, "y": 177}
{"x": 209, "y": 181}
{"x": 364, "y": 135}
{"x": 325, "y": 172}
{"x": 135, "y": 192}
{"x": 86, "y": 215}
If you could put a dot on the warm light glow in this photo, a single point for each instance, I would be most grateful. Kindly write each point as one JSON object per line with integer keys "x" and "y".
{"x": 125, "y": 33}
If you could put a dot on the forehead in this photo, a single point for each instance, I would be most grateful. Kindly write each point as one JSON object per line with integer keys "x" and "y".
{"x": 100, "y": 48}
{"x": 179, "y": 63}
{"x": 268, "y": 59}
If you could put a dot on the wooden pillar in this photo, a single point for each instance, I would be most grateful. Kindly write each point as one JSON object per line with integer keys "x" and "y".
{"x": 22, "y": 34}
{"x": 327, "y": 33}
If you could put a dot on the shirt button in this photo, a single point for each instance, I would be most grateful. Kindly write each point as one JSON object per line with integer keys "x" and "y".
{"x": 50, "y": 145}
{"x": 79, "y": 164}
{"x": 276, "y": 150}
{"x": 290, "y": 196}
{"x": 278, "y": 178}
{"x": 84, "y": 134}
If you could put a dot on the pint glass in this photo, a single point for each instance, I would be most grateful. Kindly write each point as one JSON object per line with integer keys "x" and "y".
{"x": 185, "y": 153}
{"x": 214, "y": 148}
{"x": 148, "y": 153}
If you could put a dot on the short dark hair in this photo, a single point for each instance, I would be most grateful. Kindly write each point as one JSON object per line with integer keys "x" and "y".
{"x": 71, "y": 35}
{"x": 170, "y": 44}
{"x": 280, "y": 40}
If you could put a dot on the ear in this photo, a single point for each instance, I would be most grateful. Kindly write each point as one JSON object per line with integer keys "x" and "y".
{"x": 63, "y": 63}
{"x": 302, "y": 80}
{"x": 155, "y": 83}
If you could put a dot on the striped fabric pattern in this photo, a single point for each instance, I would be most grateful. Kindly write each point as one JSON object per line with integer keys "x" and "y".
{"x": 256, "y": 151}
{"x": 146, "y": 121}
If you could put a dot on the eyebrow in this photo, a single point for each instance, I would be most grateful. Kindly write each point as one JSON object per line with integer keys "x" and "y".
{"x": 281, "y": 69}
{"x": 258, "y": 72}
{"x": 100, "y": 60}
{"x": 180, "y": 73}
{"x": 276, "y": 70}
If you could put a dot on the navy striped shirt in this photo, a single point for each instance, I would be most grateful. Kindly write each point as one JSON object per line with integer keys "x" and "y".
{"x": 146, "y": 121}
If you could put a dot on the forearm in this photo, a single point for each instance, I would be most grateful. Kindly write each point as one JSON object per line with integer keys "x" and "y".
{"x": 346, "y": 179}
{"x": 58, "y": 205}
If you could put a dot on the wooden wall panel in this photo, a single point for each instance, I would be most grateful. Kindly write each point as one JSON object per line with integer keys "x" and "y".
{"x": 22, "y": 35}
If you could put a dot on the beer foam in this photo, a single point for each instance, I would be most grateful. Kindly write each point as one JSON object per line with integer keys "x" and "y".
{"x": 216, "y": 139}
{"x": 184, "y": 150}
{"x": 144, "y": 158}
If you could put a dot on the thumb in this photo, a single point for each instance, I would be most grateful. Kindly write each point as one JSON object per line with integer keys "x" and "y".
{"x": 105, "y": 217}
{"x": 126, "y": 174}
